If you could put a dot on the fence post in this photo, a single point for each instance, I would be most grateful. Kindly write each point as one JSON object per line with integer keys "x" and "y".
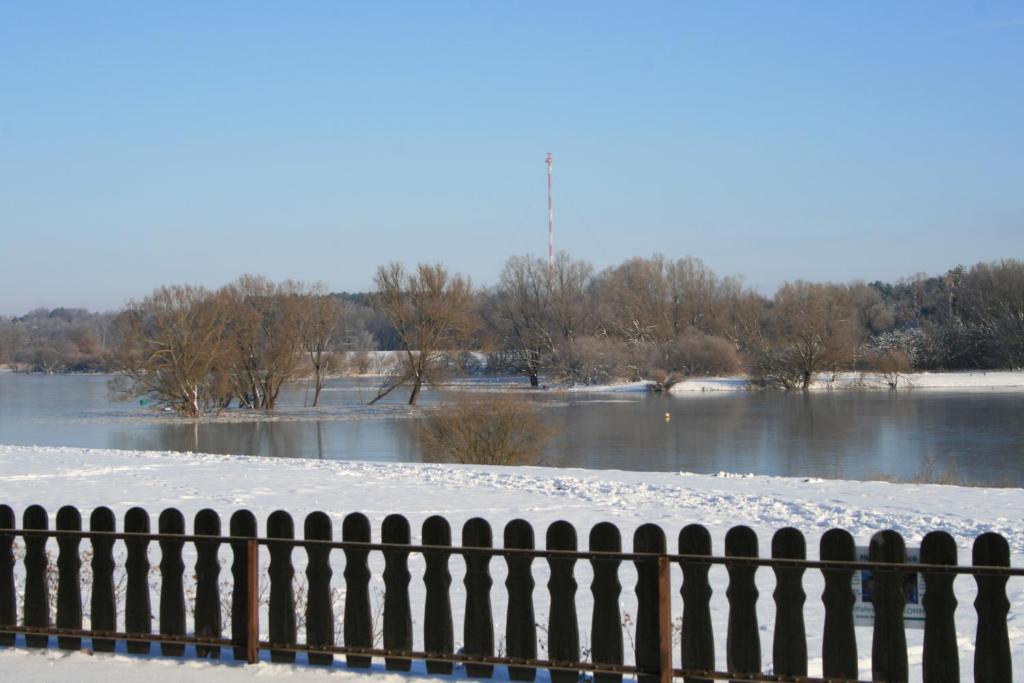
{"x": 172, "y": 591}
{"x": 606, "y": 623}
{"x": 743, "y": 639}
{"x": 8, "y": 599}
{"x": 648, "y": 539}
{"x": 697, "y": 646}
{"x": 941, "y": 660}
{"x": 397, "y": 612}
{"x": 839, "y": 640}
{"x": 789, "y": 646}
{"x": 207, "y": 612}
{"x": 281, "y": 627}
{"x": 664, "y": 621}
{"x": 103, "y": 600}
{"x": 138, "y": 612}
{"x": 36, "y": 606}
{"x": 241, "y": 525}
{"x": 520, "y": 623}
{"x": 69, "y": 585}
{"x": 319, "y": 609}
{"x": 478, "y": 625}
{"x": 358, "y": 626}
{"x": 438, "y": 632}
{"x": 563, "y": 625}
{"x": 992, "y": 661}
{"x": 889, "y": 640}
{"x": 252, "y": 603}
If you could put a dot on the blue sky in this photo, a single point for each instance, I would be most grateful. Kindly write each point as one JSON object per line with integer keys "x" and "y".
{"x": 144, "y": 143}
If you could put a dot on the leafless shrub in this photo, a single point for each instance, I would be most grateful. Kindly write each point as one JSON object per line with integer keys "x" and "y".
{"x": 890, "y": 364}
{"x": 494, "y": 429}
{"x": 698, "y": 354}
{"x": 594, "y": 360}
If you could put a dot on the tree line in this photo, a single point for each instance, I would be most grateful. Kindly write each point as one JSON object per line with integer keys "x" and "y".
{"x": 655, "y": 318}
{"x": 661, "y": 319}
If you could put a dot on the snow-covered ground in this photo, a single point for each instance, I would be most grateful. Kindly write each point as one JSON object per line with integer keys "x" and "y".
{"x": 951, "y": 381}
{"x": 121, "y": 479}
{"x": 1002, "y": 380}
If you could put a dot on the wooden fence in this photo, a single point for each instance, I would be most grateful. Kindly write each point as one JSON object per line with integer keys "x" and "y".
{"x": 652, "y": 639}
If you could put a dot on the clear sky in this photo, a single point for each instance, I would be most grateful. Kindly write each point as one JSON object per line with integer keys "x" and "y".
{"x": 144, "y": 143}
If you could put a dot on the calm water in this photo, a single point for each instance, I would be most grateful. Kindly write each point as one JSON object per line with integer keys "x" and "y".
{"x": 976, "y": 436}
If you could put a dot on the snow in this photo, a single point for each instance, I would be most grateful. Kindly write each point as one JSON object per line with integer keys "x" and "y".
{"x": 959, "y": 381}
{"x": 701, "y": 384}
{"x": 622, "y": 387}
{"x": 994, "y": 380}
{"x": 121, "y": 479}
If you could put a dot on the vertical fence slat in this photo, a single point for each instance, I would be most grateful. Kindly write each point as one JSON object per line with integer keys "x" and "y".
{"x": 172, "y": 591}
{"x": 137, "y": 609}
{"x": 282, "y": 596}
{"x": 839, "y": 641}
{"x": 940, "y": 661}
{"x": 789, "y": 647}
{"x": 698, "y": 638}
{"x": 742, "y": 641}
{"x": 319, "y": 606}
{"x": 520, "y": 623}
{"x": 358, "y": 617}
{"x": 889, "y": 640}
{"x": 8, "y": 597}
{"x": 206, "y": 617}
{"x": 992, "y": 644}
{"x": 438, "y": 632}
{"x": 648, "y": 538}
{"x": 563, "y": 625}
{"x": 606, "y": 620}
{"x": 69, "y": 585}
{"x": 103, "y": 599}
{"x": 37, "y": 590}
{"x": 478, "y": 631}
{"x": 241, "y": 525}
{"x": 397, "y": 612}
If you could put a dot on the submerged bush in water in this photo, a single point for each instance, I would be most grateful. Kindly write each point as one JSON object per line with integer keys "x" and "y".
{"x": 489, "y": 429}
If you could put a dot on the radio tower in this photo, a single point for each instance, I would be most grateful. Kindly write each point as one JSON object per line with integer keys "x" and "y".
{"x": 551, "y": 217}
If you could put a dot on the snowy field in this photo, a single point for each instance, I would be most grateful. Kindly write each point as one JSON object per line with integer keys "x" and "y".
{"x": 121, "y": 479}
{"x": 997, "y": 380}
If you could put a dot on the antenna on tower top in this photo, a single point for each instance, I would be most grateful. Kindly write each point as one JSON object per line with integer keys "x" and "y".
{"x": 551, "y": 216}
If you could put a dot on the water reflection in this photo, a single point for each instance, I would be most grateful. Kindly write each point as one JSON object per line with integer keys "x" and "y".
{"x": 979, "y": 436}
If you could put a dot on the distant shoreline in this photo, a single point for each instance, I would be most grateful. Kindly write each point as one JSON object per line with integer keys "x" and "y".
{"x": 953, "y": 380}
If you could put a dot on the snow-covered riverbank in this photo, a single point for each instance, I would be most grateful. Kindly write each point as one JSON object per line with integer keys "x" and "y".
{"x": 999, "y": 380}
{"x": 121, "y": 479}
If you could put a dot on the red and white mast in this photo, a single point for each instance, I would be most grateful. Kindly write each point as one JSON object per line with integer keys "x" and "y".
{"x": 551, "y": 217}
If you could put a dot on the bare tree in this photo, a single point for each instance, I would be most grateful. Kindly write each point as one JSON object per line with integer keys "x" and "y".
{"x": 569, "y": 282}
{"x": 633, "y": 298}
{"x": 432, "y": 314}
{"x": 809, "y": 327}
{"x": 992, "y": 306}
{"x": 167, "y": 347}
{"x": 321, "y": 328}
{"x": 265, "y": 334}
{"x": 519, "y": 311}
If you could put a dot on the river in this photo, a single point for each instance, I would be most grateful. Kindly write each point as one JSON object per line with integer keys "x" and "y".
{"x": 974, "y": 437}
